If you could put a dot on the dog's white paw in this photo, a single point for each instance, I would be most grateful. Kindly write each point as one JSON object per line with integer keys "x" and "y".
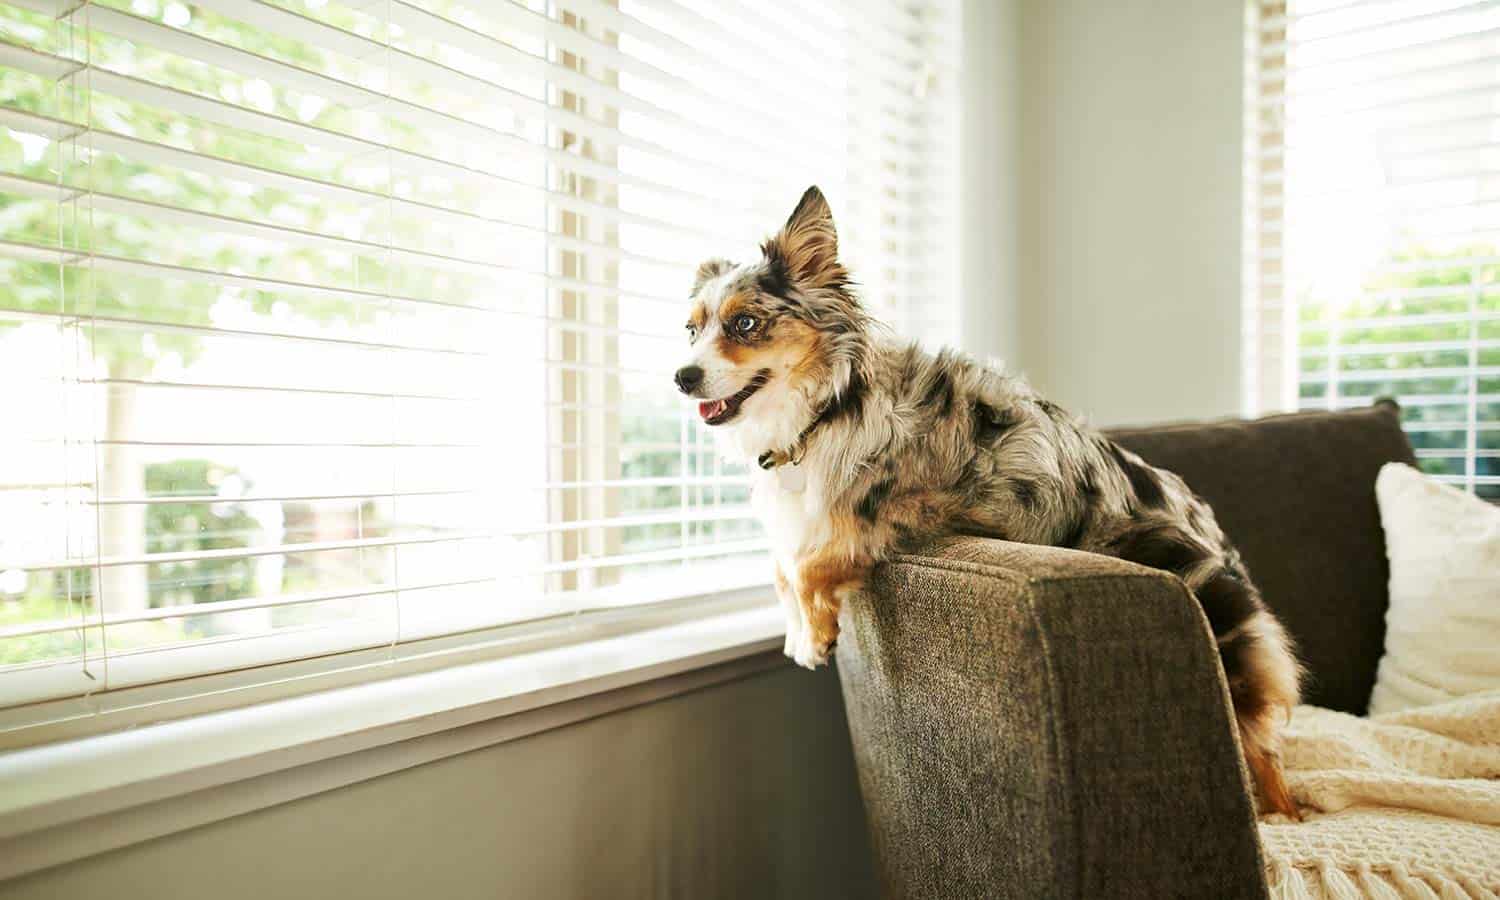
{"x": 808, "y": 658}
{"x": 808, "y": 654}
{"x": 794, "y": 632}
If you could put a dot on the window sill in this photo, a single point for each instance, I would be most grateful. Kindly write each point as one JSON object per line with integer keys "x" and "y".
{"x": 70, "y": 799}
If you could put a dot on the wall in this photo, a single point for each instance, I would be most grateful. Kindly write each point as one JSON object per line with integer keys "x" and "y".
{"x": 746, "y": 789}
{"x": 989, "y": 170}
{"x": 1129, "y": 200}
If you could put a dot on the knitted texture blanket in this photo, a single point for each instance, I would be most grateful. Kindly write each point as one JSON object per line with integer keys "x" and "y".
{"x": 1405, "y": 804}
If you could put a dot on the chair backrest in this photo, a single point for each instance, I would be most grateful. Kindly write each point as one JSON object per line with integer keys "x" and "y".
{"x": 1296, "y": 494}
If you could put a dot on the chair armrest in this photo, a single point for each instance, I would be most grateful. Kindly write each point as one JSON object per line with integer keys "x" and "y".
{"x": 1030, "y": 721}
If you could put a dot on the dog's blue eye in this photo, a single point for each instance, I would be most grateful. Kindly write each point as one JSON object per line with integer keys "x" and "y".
{"x": 744, "y": 324}
{"x": 692, "y": 331}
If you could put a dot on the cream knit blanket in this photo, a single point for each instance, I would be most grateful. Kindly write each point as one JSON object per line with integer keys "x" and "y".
{"x": 1405, "y": 804}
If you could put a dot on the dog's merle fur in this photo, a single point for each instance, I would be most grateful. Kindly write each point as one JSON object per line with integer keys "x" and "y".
{"x": 895, "y": 446}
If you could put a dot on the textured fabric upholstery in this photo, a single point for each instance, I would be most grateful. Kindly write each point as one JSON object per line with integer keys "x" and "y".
{"x": 1296, "y": 494}
{"x": 1035, "y": 722}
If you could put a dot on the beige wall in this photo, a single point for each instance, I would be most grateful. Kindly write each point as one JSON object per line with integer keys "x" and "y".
{"x": 1129, "y": 183}
{"x": 990, "y": 143}
{"x": 746, "y": 789}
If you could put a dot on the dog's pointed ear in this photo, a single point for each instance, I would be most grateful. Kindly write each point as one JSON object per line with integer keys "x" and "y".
{"x": 711, "y": 268}
{"x": 806, "y": 250}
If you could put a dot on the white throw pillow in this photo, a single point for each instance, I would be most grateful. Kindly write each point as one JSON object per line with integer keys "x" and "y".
{"x": 1442, "y": 635}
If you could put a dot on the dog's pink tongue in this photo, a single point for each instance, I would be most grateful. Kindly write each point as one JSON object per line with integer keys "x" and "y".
{"x": 710, "y": 408}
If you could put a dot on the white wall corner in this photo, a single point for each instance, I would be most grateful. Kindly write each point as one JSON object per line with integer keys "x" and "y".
{"x": 989, "y": 172}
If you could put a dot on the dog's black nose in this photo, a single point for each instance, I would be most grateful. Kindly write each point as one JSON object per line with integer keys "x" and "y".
{"x": 687, "y": 378}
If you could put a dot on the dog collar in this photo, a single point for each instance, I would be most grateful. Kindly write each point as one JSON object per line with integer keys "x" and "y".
{"x": 793, "y": 454}
{"x": 840, "y": 402}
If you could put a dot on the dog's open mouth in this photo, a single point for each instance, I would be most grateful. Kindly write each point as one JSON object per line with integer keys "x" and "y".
{"x": 717, "y": 412}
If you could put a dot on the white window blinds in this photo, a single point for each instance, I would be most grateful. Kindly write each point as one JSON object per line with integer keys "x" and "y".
{"x": 1374, "y": 219}
{"x": 333, "y": 326}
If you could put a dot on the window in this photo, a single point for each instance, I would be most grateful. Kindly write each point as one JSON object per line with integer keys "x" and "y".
{"x": 1373, "y": 225}
{"x": 334, "y": 326}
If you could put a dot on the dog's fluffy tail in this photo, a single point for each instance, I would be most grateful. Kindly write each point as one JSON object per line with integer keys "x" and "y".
{"x": 1260, "y": 665}
{"x": 1172, "y": 529}
{"x": 1263, "y": 674}
{"x": 1255, "y": 649}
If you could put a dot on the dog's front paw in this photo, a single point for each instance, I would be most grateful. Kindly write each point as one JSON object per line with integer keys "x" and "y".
{"x": 825, "y": 585}
{"x": 813, "y": 646}
{"x": 809, "y": 653}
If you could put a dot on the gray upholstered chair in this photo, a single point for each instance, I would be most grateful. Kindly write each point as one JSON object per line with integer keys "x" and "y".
{"x": 1036, "y": 722}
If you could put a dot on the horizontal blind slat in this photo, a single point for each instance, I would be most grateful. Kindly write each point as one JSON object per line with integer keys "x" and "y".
{"x": 1413, "y": 374}
{"x": 62, "y": 255}
{"x": 688, "y": 481}
{"x": 412, "y": 541}
{"x": 1347, "y": 349}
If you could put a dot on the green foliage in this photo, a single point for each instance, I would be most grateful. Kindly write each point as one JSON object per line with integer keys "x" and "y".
{"x": 195, "y": 527}
{"x": 67, "y": 594}
{"x": 1423, "y": 302}
{"x": 46, "y": 599}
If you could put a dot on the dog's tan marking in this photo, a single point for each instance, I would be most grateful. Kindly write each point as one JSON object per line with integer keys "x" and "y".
{"x": 793, "y": 351}
{"x": 789, "y": 346}
{"x": 824, "y": 580}
{"x": 807, "y": 345}
{"x": 730, "y": 306}
{"x": 799, "y": 351}
{"x": 737, "y": 353}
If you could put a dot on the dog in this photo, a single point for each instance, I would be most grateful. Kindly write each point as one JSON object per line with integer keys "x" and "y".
{"x": 863, "y": 446}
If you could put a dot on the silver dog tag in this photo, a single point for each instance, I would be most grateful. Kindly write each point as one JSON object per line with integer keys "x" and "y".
{"x": 791, "y": 478}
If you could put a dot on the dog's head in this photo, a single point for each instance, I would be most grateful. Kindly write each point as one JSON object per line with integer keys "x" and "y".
{"x": 771, "y": 339}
